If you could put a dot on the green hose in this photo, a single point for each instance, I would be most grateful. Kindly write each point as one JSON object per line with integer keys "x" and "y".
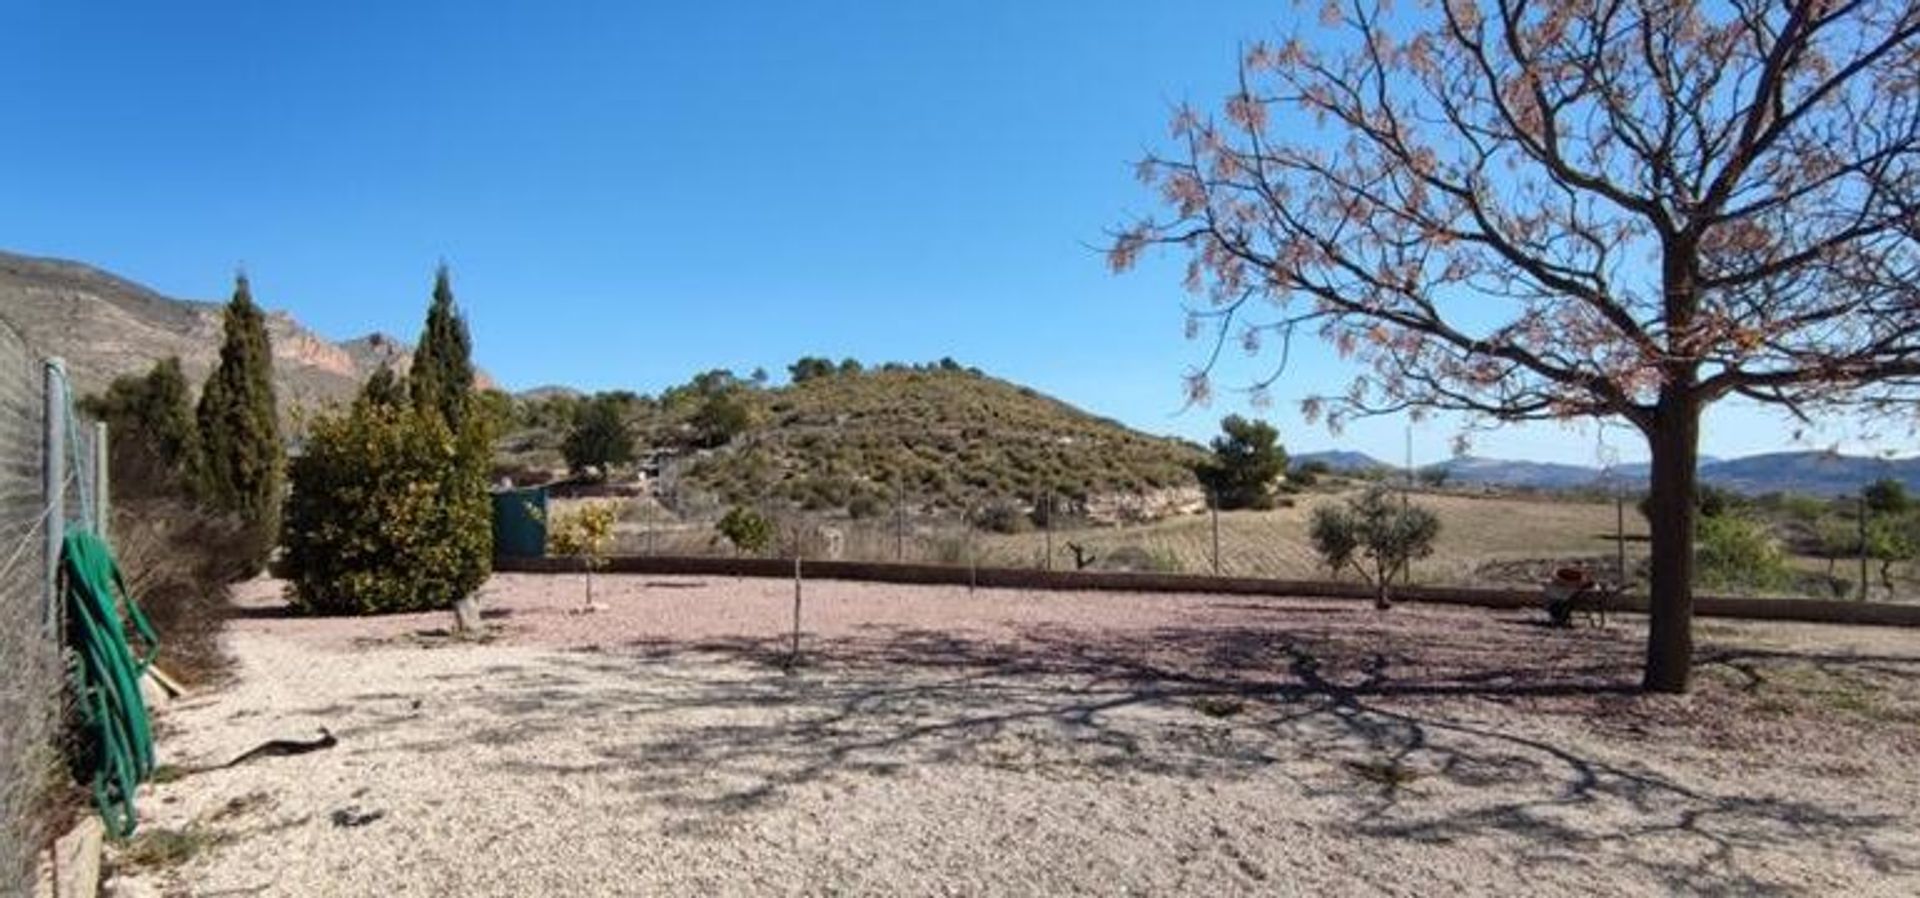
{"x": 106, "y": 677}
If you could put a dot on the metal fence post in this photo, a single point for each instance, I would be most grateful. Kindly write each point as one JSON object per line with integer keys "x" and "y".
{"x": 1213, "y": 508}
{"x": 1046, "y": 524}
{"x": 102, "y": 482}
{"x": 53, "y": 482}
{"x": 1620, "y": 536}
{"x": 973, "y": 575}
{"x": 1863, "y": 546}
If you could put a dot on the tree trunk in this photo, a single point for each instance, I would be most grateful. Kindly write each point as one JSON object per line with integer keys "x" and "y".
{"x": 1675, "y": 446}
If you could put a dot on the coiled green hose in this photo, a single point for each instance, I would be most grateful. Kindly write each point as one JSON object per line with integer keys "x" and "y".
{"x": 106, "y": 677}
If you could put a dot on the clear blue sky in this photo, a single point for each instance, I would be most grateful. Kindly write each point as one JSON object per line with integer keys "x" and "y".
{"x": 631, "y": 192}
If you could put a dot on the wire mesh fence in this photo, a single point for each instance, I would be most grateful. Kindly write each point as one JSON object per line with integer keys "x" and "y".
{"x": 29, "y": 764}
{"x": 1826, "y": 548}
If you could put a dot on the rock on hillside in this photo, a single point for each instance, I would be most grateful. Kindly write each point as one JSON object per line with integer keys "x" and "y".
{"x": 105, "y": 326}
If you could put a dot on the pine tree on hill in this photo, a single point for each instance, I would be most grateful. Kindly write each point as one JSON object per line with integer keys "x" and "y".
{"x": 241, "y": 456}
{"x": 442, "y": 375}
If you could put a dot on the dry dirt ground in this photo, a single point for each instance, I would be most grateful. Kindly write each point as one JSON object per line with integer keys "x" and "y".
{"x": 932, "y": 741}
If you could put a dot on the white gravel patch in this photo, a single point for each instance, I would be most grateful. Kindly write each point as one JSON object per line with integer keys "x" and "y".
{"x": 1027, "y": 745}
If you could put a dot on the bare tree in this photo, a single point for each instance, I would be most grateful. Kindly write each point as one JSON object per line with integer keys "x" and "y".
{"x": 1627, "y": 209}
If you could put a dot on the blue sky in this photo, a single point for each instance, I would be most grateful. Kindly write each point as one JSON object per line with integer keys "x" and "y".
{"x": 629, "y": 193}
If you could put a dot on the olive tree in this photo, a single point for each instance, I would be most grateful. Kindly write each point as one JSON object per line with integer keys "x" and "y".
{"x": 1376, "y": 535}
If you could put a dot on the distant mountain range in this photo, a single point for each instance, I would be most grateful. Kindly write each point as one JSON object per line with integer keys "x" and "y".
{"x": 1812, "y": 471}
{"x": 104, "y": 326}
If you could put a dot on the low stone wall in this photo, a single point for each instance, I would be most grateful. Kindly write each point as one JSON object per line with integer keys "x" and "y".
{"x": 1808, "y": 610}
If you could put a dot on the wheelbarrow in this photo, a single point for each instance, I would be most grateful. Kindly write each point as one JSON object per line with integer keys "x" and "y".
{"x": 1574, "y": 589}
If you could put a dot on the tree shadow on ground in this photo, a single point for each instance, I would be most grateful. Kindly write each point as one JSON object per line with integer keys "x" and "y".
{"x": 1421, "y": 737}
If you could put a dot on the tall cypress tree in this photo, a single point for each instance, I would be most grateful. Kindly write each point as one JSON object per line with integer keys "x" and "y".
{"x": 441, "y": 378}
{"x": 384, "y": 387}
{"x": 240, "y": 452}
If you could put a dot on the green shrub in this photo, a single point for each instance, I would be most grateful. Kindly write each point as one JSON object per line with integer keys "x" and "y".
{"x": 1376, "y": 534}
{"x": 155, "y": 441}
{"x": 722, "y": 417}
{"x": 1734, "y": 551}
{"x": 1002, "y": 517}
{"x": 748, "y": 530}
{"x": 865, "y": 505}
{"x": 1140, "y": 559}
{"x": 1307, "y": 474}
{"x": 598, "y": 437}
{"x": 389, "y": 512}
{"x": 1886, "y": 496}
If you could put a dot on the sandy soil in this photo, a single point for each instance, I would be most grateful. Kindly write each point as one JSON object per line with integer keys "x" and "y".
{"x": 930, "y": 741}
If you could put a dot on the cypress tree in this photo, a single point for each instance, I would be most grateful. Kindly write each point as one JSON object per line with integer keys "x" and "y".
{"x": 384, "y": 387}
{"x": 240, "y": 452}
{"x": 441, "y": 379}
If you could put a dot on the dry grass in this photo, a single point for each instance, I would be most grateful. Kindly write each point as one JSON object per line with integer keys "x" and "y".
{"x": 178, "y": 560}
{"x": 159, "y": 849}
{"x": 1473, "y": 530}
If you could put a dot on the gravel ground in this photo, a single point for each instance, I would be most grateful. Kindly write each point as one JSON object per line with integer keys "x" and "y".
{"x": 932, "y": 741}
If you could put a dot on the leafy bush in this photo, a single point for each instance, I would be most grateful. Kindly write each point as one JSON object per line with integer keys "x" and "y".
{"x": 1142, "y": 559}
{"x": 809, "y": 368}
{"x": 748, "y": 530}
{"x": 154, "y": 441}
{"x": 388, "y": 512}
{"x": 722, "y": 417}
{"x": 1892, "y": 539}
{"x": 1376, "y": 534}
{"x": 1002, "y": 517}
{"x": 1246, "y": 461}
{"x": 1308, "y": 474}
{"x": 1708, "y": 500}
{"x": 585, "y": 531}
{"x": 1734, "y": 551}
{"x": 598, "y": 436}
{"x": 1886, "y": 496}
{"x": 865, "y": 505}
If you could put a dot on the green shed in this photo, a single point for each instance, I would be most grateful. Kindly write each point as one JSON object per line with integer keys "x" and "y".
{"x": 520, "y": 522}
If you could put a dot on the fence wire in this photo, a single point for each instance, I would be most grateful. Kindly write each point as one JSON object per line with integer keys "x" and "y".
{"x": 1490, "y": 537}
{"x": 29, "y": 692}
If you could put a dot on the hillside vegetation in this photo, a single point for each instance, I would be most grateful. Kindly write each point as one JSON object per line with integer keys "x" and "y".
{"x": 106, "y": 326}
{"x": 942, "y": 436}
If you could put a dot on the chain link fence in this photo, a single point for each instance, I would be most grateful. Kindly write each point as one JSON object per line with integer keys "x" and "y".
{"x": 29, "y": 705}
{"x": 1823, "y": 548}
